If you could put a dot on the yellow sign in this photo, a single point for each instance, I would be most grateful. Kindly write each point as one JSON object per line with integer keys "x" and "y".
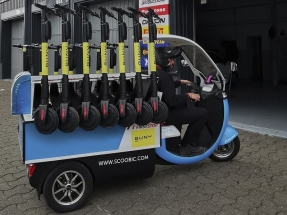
{"x": 160, "y": 30}
{"x": 143, "y": 137}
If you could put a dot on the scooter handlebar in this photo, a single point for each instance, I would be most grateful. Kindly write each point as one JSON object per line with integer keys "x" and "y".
{"x": 17, "y": 45}
{"x": 44, "y": 7}
{"x": 56, "y": 47}
{"x": 115, "y": 45}
{"x": 154, "y": 14}
{"x": 93, "y": 13}
{"x": 94, "y": 46}
{"x": 106, "y": 12}
{"x": 66, "y": 9}
{"x": 77, "y": 45}
{"x": 33, "y": 45}
{"x": 121, "y": 11}
{"x": 136, "y": 12}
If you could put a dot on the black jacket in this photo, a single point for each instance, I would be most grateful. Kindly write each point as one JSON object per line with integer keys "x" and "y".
{"x": 167, "y": 86}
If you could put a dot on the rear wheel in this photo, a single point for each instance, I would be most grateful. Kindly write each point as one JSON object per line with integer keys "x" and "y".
{"x": 226, "y": 152}
{"x": 68, "y": 187}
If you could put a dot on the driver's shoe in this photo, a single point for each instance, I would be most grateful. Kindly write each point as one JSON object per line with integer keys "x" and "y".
{"x": 189, "y": 150}
{"x": 197, "y": 150}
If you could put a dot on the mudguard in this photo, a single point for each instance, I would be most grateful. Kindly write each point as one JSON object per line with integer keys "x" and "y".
{"x": 229, "y": 134}
{"x": 176, "y": 159}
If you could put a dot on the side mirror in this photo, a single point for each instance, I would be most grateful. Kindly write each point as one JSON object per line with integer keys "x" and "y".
{"x": 233, "y": 66}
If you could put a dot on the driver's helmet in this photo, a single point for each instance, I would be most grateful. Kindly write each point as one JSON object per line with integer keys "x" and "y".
{"x": 163, "y": 53}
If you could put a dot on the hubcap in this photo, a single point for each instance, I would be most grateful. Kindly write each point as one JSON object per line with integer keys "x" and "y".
{"x": 224, "y": 151}
{"x": 68, "y": 188}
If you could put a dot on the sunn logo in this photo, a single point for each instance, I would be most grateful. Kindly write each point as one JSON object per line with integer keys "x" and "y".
{"x": 144, "y": 137}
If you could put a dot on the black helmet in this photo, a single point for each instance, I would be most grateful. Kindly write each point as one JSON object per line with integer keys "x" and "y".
{"x": 163, "y": 53}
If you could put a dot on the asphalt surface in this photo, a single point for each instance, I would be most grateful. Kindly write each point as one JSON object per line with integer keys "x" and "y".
{"x": 255, "y": 182}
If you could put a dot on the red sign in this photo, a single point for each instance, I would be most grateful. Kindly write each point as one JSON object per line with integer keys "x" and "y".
{"x": 159, "y": 9}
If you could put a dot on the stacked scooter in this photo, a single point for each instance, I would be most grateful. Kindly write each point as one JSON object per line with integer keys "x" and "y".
{"x": 64, "y": 109}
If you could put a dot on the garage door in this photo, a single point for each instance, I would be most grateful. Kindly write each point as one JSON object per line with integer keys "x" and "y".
{"x": 16, "y": 54}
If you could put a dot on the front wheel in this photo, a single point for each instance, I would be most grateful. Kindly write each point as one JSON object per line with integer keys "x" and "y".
{"x": 68, "y": 187}
{"x": 226, "y": 152}
{"x": 162, "y": 113}
{"x": 130, "y": 117}
{"x": 72, "y": 120}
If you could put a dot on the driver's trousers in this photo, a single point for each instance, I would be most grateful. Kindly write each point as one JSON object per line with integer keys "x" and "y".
{"x": 195, "y": 117}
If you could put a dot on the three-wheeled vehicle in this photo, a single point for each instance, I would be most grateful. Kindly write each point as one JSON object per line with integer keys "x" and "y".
{"x": 65, "y": 167}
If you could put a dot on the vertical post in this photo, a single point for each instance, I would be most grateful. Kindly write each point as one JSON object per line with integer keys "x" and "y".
{"x": 193, "y": 21}
{"x": 273, "y": 44}
{"x": 0, "y": 42}
{"x": 27, "y": 27}
{"x": 77, "y": 38}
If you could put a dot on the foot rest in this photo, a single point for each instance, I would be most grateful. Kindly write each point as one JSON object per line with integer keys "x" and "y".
{"x": 169, "y": 131}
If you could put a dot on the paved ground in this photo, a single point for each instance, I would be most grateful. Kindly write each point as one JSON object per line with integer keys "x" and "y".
{"x": 254, "y": 183}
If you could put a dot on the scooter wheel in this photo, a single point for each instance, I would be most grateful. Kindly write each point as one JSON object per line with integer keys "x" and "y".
{"x": 226, "y": 152}
{"x": 72, "y": 120}
{"x": 51, "y": 124}
{"x": 146, "y": 115}
{"x": 130, "y": 116}
{"x": 112, "y": 119}
{"x": 93, "y": 121}
{"x": 162, "y": 113}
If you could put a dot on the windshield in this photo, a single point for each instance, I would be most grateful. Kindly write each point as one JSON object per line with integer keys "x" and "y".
{"x": 199, "y": 59}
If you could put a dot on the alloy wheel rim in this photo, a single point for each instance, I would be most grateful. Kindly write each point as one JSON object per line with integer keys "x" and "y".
{"x": 224, "y": 151}
{"x": 68, "y": 187}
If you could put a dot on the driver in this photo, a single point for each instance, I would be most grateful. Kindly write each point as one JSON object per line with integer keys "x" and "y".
{"x": 181, "y": 107}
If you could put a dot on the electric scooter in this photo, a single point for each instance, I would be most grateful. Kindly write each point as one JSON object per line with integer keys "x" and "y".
{"x": 46, "y": 119}
{"x": 220, "y": 139}
{"x": 69, "y": 118}
{"x": 127, "y": 111}
{"x": 109, "y": 112}
{"x": 89, "y": 115}
{"x": 144, "y": 110}
{"x": 160, "y": 110}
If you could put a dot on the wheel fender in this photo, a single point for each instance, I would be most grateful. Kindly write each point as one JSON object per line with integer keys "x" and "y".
{"x": 229, "y": 134}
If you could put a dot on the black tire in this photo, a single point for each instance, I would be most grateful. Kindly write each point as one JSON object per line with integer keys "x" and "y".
{"x": 226, "y": 152}
{"x": 51, "y": 124}
{"x": 162, "y": 114}
{"x": 93, "y": 121}
{"x": 63, "y": 194}
{"x": 112, "y": 119}
{"x": 146, "y": 115}
{"x": 72, "y": 120}
{"x": 130, "y": 116}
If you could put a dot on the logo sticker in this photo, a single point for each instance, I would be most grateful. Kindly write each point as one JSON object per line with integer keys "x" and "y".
{"x": 143, "y": 138}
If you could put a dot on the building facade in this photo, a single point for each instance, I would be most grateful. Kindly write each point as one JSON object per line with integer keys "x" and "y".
{"x": 256, "y": 28}
{"x": 20, "y": 25}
